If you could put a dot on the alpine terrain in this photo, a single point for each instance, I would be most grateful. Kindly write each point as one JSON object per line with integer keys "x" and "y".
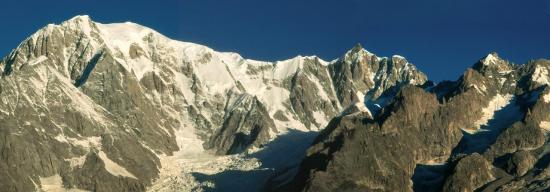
{"x": 86, "y": 106}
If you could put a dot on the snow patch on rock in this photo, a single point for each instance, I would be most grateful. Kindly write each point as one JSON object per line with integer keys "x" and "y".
{"x": 498, "y": 102}
{"x": 546, "y": 98}
{"x": 480, "y": 89}
{"x": 545, "y": 125}
{"x": 114, "y": 168}
{"x": 320, "y": 118}
{"x": 436, "y": 161}
{"x": 38, "y": 60}
{"x": 61, "y": 138}
{"x": 76, "y": 162}
{"x": 54, "y": 183}
{"x": 540, "y": 75}
{"x": 122, "y": 35}
{"x": 490, "y": 59}
{"x": 288, "y": 67}
{"x": 361, "y": 103}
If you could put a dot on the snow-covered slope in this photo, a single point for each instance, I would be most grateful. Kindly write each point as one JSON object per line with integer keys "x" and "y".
{"x": 108, "y": 106}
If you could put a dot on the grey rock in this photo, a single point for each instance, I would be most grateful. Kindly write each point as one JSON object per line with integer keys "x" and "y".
{"x": 520, "y": 162}
{"x": 347, "y": 153}
{"x": 73, "y": 103}
{"x": 475, "y": 163}
{"x": 470, "y": 173}
{"x": 246, "y": 124}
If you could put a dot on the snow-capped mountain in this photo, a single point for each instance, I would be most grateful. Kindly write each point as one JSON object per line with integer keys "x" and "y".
{"x": 86, "y": 106}
{"x": 120, "y": 107}
{"x": 486, "y": 131}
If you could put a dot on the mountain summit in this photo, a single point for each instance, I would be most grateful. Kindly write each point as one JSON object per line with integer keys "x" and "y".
{"x": 86, "y": 106}
{"x": 120, "y": 107}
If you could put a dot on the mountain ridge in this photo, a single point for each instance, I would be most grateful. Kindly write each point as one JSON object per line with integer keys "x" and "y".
{"x": 116, "y": 103}
{"x": 493, "y": 119}
{"x": 86, "y": 106}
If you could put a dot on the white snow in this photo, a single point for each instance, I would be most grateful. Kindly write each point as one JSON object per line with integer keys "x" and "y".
{"x": 288, "y": 67}
{"x": 500, "y": 113}
{"x": 184, "y": 84}
{"x": 322, "y": 92}
{"x": 358, "y": 56}
{"x": 54, "y": 183}
{"x": 79, "y": 22}
{"x": 176, "y": 171}
{"x": 473, "y": 131}
{"x": 540, "y": 75}
{"x": 505, "y": 72}
{"x": 490, "y": 59}
{"x": 436, "y": 161}
{"x": 497, "y": 103}
{"x": 398, "y": 57}
{"x": 361, "y": 96}
{"x": 217, "y": 74}
{"x": 321, "y": 119}
{"x": 360, "y": 105}
{"x": 481, "y": 89}
{"x": 502, "y": 81}
{"x": 4, "y": 112}
{"x": 121, "y": 35}
{"x": 38, "y": 60}
{"x": 61, "y": 138}
{"x": 76, "y": 161}
{"x": 546, "y": 98}
{"x": 141, "y": 65}
{"x": 545, "y": 125}
{"x": 87, "y": 143}
{"x": 40, "y": 81}
{"x": 274, "y": 97}
{"x": 114, "y": 168}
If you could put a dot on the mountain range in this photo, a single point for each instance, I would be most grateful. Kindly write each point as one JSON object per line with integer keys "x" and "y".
{"x": 86, "y": 106}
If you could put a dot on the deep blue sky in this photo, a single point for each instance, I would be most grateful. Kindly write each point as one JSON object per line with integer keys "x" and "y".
{"x": 442, "y": 37}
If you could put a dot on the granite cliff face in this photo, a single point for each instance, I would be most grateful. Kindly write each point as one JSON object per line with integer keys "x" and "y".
{"x": 111, "y": 107}
{"x": 486, "y": 131}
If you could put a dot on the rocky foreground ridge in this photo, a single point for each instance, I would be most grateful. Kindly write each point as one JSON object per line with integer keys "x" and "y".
{"x": 486, "y": 131}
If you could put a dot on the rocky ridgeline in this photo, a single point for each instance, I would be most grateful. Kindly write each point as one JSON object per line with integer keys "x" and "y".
{"x": 100, "y": 107}
{"x": 91, "y": 106}
{"x": 487, "y": 131}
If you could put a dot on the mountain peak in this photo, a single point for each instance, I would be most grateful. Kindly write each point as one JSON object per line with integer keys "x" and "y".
{"x": 491, "y": 64}
{"x": 356, "y": 52}
{"x": 398, "y": 57}
{"x": 491, "y": 58}
{"x": 79, "y": 22}
{"x": 80, "y": 18}
{"x": 357, "y": 47}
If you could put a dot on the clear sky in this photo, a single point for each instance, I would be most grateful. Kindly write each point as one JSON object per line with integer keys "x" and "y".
{"x": 441, "y": 37}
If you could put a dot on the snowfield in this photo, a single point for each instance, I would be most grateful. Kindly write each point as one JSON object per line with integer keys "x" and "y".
{"x": 194, "y": 169}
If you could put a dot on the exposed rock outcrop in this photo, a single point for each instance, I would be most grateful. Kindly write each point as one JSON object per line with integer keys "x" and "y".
{"x": 500, "y": 109}
{"x": 94, "y": 106}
